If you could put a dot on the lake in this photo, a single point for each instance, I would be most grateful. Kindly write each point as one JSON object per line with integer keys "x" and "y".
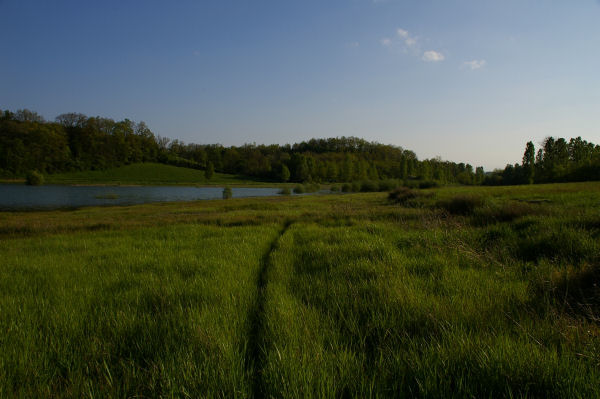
{"x": 16, "y": 196}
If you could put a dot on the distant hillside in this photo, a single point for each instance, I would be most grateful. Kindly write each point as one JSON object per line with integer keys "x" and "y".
{"x": 144, "y": 173}
{"x": 76, "y": 143}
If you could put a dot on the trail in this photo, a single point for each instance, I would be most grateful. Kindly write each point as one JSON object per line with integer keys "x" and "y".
{"x": 255, "y": 354}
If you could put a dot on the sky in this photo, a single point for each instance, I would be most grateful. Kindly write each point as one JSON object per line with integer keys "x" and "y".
{"x": 466, "y": 80}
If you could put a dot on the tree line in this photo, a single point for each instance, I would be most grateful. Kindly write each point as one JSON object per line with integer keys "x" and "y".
{"x": 557, "y": 160}
{"x": 74, "y": 142}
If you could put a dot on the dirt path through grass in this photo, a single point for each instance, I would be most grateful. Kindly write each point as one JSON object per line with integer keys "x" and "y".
{"x": 256, "y": 353}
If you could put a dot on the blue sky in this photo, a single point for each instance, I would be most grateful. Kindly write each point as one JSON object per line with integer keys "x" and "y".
{"x": 466, "y": 80}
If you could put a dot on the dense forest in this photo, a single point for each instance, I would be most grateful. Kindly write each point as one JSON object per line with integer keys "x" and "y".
{"x": 558, "y": 160}
{"x": 75, "y": 141}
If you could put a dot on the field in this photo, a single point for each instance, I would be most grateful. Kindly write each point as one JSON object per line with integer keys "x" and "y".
{"x": 451, "y": 292}
{"x": 148, "y": 174}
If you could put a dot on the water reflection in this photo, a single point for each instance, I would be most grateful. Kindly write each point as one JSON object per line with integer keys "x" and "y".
{"x": 14, "y": 196}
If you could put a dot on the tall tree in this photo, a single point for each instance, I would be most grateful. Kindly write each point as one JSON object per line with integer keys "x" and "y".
{"x": 285, "y": 173}
{"x": 529, "y": 162}
{"x": 209, "y": 171}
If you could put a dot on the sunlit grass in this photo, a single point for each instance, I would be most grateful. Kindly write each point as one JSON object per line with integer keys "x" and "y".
{"x": 374, "y": 311}
{"x": 150, "y": 312}
{"x": 348, "y": 295}
{"x": 147, "y": 174}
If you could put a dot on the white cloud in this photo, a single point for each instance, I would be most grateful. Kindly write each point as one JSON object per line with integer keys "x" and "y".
{"x": 409, "y": 40}
{"x": 402, "y": 33}
{"x": 474, "y": 64}
{"x": 433, "y": 56}
{"x": 386, "y": 41}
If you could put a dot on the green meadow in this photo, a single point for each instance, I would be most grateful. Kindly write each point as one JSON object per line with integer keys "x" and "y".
{"x": 436, "y": 293}
{"x": 148, "y": 174}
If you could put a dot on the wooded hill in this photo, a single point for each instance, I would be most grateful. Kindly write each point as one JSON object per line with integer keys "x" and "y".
{"x": 76, "y": 142}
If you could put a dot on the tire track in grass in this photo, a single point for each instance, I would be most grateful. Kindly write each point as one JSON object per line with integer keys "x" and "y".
{"x": 255, "y": 353}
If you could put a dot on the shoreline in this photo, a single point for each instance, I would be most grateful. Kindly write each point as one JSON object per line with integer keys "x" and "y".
{"x": 182, "y": 184}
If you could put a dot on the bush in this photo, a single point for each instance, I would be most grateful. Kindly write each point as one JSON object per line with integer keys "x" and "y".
{"x": 575, "y": 287}
{"x": 181, "y": 162}
{"x": 355, "y": 186}
{"x": 428, "y": 184}
{"x": 387, "y": 185}
{"x": 335, "y": 189}
{"x": 299, "y": 189}
{"x": 368, "y": 186}
{"x": 34, "y": 178}
{"x": 507, "y": 212}
{"x": 312, "y": 187}
{"x": 209, "y": 172}
{"x": 346, "y": 188}
{"x": 285, "y": 191}
{"x": 410, "y": 183}
{"x": 227, "y": 193}
{"x": 402, "y": 195}
{"x": 558, "y": 245}
{"x": 461, "y": 204}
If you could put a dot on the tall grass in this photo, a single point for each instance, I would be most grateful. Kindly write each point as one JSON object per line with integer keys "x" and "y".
{"x": 151, "y": 312}
{"x": 359, "y": 296}
{"x": 370, "y": 311}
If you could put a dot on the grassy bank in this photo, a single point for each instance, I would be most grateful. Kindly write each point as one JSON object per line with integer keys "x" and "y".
{"x": 453, "y": 292}
{"x": 149, "y": 174}
{"x": 155, "y": 310}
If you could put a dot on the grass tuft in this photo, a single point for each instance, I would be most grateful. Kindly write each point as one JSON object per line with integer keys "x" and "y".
{"x": 402, "y": 195}
{"x": 461, "y": 204}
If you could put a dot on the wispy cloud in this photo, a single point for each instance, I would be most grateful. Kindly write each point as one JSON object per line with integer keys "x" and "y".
{"x": 402, "y": 32}
{"x": 433, "y": 56}
{"x": 411, "y": 44}
{"x": 353, "y": 44}
{"x": 474, "y": 64}
{"x": 408, "y": 39}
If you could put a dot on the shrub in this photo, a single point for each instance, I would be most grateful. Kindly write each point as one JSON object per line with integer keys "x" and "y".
{"x": 558, "y": 244}
{"x": 387, "y": 185}
{"x": 335, "y": 189}
{"x": 285, "y": 191}
{"x": 402, "y": 195}
{"x": 576, "y": 287}
{"x": 181, "y": 162}
{"x": 355, "y": 186}
{"x": 209, "y": 172}
{"x": 34, "y": 178}
{"x": 346, "y": 188}
{"x": 461, "y": 204}
{"x": 227, "y": 193}
{"x": 507, "y": 212}
{"x": 369, "y": 186}
{"x": 410, "y": 183}
{"x": 313, "y": 187}
{"x": 428, "y": 184}
{"x": 299, "y": 189}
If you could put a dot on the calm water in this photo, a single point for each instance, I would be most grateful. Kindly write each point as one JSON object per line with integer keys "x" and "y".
{"x": 20, "y": 196}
